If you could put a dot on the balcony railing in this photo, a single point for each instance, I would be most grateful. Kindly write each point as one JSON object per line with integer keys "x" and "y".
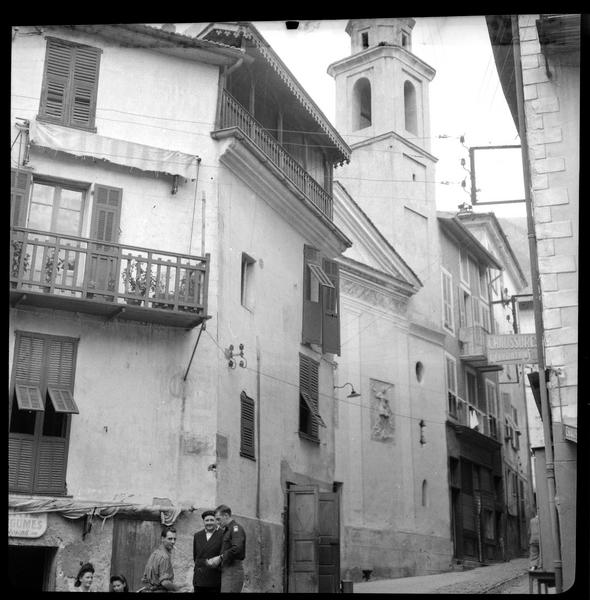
{"x": 233, "y": 114}
{"x": 473, "y": 340}
{"x": 85, "y": 275}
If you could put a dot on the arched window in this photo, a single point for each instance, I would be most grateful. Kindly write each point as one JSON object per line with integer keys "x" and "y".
{"x": 410, "y": 107}
{"x": 361, "y": 104}
{"x": 424, "y": 493}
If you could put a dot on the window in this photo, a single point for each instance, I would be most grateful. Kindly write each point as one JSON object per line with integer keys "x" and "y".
{"x": 247, "y": 281}
{"x": 70, "y": 83}
{"x": 424, "y": 493}
{"x": 491, "y": 398}
{"x": 451, "y": 372}
{"x": 464, "y": 266}
{"x": 483, "y": 284}
{"x": 321, "y": 311}
{"x": 247, "y": 426}
{"x": 485, "y": 317}
{"x": 41, "y": 402}
{"x": 410, "y": 110}
{"x": 361, "y": 104}
{"x": 464, "y": 308}
{"x": 54, "y": 207}
{"x": 309, "y": 416}
{"x": 447, "y": 294}
{"x": 405, "y": 40}
{"x": 364, "y": 39}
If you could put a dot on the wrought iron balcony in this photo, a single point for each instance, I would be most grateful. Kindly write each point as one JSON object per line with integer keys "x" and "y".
{"x": 113, "y": 280}
{"x": 467, "y": 415}
{"x": 233, "y": 114}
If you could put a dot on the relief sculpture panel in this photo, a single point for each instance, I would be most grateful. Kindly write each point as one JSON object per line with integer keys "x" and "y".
{"x": 382, "y": 422}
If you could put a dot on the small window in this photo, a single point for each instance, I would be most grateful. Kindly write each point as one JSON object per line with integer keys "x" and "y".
{"x": 362, "y": 104}
{"x": 424, "y": 493}
{"x": 365, "y": 39}
{"x": 419, "y": 371}
{"x": 464, "y": 262}
{"x": 410, "y": 108}
{"x": 405, "y": 40}
{"x": 247, "y": 281}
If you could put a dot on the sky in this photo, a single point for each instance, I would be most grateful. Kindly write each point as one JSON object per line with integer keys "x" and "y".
{"x": 466, "y": 99}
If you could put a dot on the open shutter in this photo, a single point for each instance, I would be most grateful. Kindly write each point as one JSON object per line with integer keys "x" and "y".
{"x": 303, "y": 540}
{"x": 331, "y": 309}
{"x": 20, "y": 182}
{"x": 247, "y": 427}
{"x": 329, "y": 543}
{"x": 312, "y": 306}
{"x": 56, "y": 81}
{"x": 106, "y": 217}
{"x": 308, "y": 385}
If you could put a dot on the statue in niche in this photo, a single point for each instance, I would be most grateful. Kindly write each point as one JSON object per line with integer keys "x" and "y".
{"x": 382, "y": 415}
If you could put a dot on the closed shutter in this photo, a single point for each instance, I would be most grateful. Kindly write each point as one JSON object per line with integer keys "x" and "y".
{"x": 331, "y": 309}
{"x": 106, "y": 218}
{"x": 20, "y": 182}
{"x": 312, "y": 306}
{"x": 21, "y": 450}
{"x": 60, "y": 363}
{"x": 308, "y": 384}
{"x": 29, "y": 359}
{"x": 70, "y": 83}
{"x": 50, "y": 476}
{"x": 247, "y": 427}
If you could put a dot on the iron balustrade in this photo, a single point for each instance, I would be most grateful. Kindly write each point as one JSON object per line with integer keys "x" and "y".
{"x": 72, "y": 266}
{"x": 233, "y": 114}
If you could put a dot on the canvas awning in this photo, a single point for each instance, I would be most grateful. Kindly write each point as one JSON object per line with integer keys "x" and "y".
{"x": 117, "y": 151}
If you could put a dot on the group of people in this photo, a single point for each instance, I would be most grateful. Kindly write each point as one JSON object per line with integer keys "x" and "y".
{"x": 218, "y": 551}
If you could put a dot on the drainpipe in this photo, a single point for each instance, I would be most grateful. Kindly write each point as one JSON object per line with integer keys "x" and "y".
{"x": 538, "y": 312}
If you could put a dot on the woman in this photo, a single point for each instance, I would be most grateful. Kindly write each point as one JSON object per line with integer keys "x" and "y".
{"x": 119, "y": 584}
{"x": 84, "y": 578}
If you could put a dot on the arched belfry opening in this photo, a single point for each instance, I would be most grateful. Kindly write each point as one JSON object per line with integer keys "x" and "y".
{"x": 410, "y": 108}
{"x": 361, "y": 105}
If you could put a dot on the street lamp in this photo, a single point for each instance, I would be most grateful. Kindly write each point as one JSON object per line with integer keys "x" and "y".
{"x": 352, "y": 394}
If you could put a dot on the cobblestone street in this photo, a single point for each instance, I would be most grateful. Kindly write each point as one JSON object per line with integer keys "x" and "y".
{"x": 503, "y": 578}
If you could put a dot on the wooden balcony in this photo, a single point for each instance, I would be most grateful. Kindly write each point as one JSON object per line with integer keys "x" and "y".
{"x": 111, "y": 280}
{"x": 233, "y": 115}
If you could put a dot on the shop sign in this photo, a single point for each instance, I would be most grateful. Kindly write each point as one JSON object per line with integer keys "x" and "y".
{"x": 26, "y": 525}
{"x": 512, "y": 348}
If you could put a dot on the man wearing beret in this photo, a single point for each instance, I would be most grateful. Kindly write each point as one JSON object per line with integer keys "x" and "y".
{"x": 206, "y": 544}
{"x": 233, "y": 551}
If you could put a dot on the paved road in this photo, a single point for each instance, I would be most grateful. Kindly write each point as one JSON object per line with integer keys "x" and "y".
{"x": 504, "y": 578}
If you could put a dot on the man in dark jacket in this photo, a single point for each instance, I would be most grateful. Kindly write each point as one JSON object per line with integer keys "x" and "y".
{"x": 207, "y": 544}
{"x": 233, "y": 551}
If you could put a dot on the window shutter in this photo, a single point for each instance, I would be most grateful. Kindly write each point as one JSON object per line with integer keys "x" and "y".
{"x": 331, "y": 308}
{"x": 70, "y": 83}
{"x": 85, "y": 81}
{"x": 247, "y": 426}
{"x": 20, "y": 463}
{"x": 60, "y": 364}
{"x": 308, "y": 384}
{"x": 312, "y": 311}
{"x": 28, "y": 397}
{"x": 29, "y": 359}
{"x": 106, "y": 214}
{"x": 58, "y": 61}
{"x": 50, "y": 476}
{"x": 62, "y": 400}
{"x": 20, "y": 182}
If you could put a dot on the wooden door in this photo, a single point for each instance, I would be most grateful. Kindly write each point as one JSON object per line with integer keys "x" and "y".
{"x": 329, "y": 542}
{"x": 133, "y": 542}
{"x": 303, "y": 564}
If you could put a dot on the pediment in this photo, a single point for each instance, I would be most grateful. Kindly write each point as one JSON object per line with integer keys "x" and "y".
{"x": 370, "y": 251}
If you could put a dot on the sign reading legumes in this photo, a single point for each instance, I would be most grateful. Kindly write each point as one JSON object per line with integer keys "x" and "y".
{"x": 26, "y": 525}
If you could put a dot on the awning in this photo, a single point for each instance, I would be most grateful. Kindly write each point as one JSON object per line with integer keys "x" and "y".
{"x": 122, "y": 152}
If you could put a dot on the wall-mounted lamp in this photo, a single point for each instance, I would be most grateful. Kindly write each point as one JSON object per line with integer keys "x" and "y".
{"x": 231, "y": 356}
{"x": 352, "y": 394}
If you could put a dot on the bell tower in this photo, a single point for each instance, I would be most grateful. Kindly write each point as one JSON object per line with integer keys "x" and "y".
{"x": 382, "y": 111}
{"x": 382, "y": 86}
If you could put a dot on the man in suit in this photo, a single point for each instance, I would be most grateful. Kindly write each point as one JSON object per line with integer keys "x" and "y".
{"x": 206, "y": 544}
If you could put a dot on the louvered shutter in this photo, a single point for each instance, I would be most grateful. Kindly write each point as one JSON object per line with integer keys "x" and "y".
{"x": 308, "y": 384}
{"x": 312, "y": 311}
{"x": 29, "y": 359}
{"x": 50, "y": 475}
{"x": 28, "y": 397}
{"x": 20, "y": 182}
{"x": 247, "y": 426}
{"x": 70, "y": 83}
{"x": 106, "y": 218}
{"x": 54, "y": 94}
{"x": 84, "y": 86}
{"x": 331, "y": 309}
{"x": 21, "y": 470}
